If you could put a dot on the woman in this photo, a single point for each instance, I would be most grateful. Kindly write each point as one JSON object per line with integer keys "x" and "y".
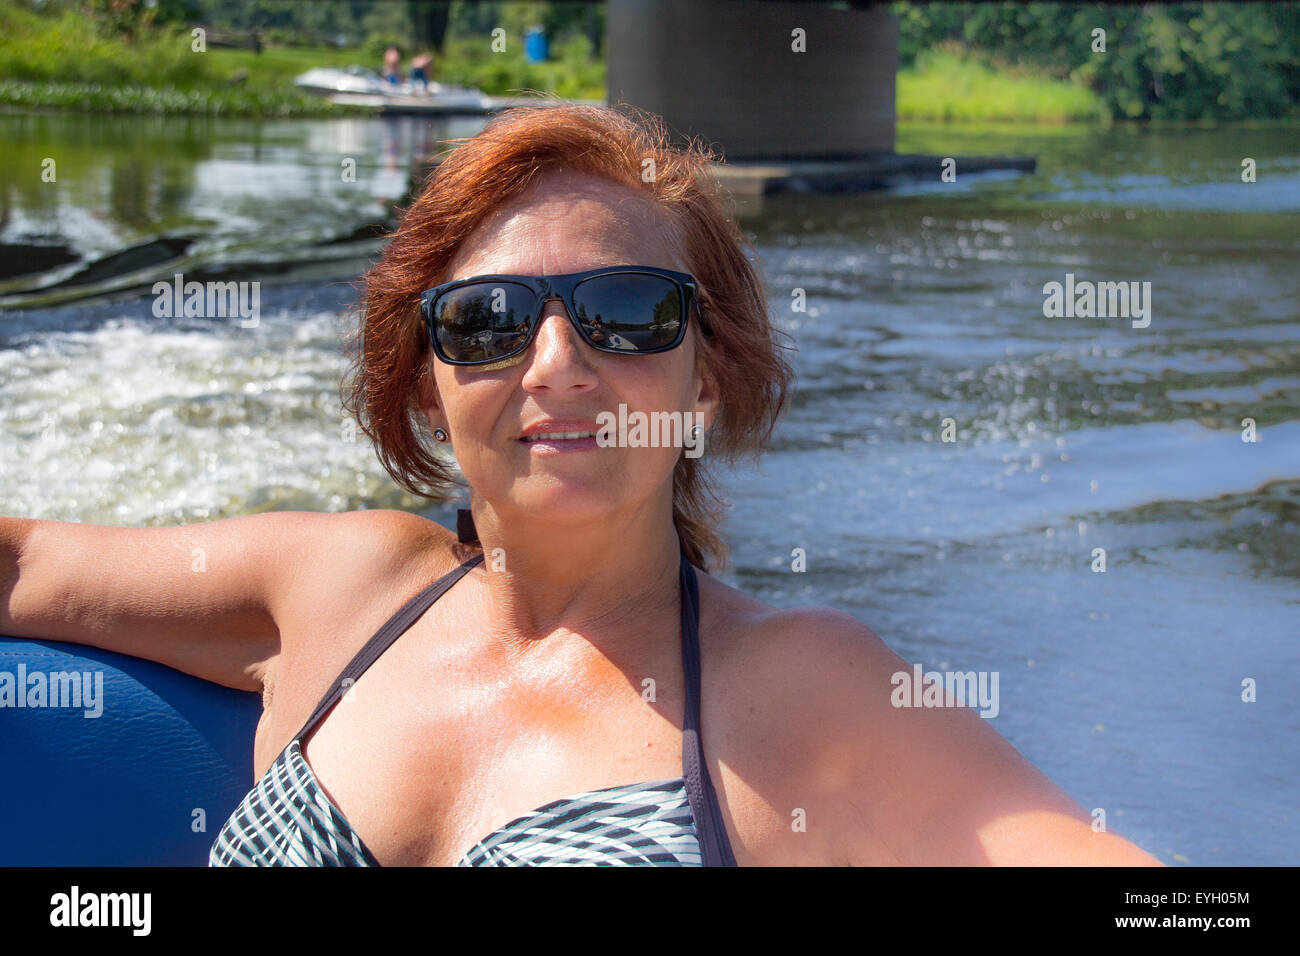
{"x": 561, "y": 682}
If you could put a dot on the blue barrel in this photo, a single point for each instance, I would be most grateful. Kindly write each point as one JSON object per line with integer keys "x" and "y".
{"x": 536, "y": 48}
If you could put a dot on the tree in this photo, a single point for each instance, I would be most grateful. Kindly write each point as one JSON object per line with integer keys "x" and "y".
{"x": 429, "y": 20}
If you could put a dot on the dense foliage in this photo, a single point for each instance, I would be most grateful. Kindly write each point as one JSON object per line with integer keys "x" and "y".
{"x": 1163, "y": 61}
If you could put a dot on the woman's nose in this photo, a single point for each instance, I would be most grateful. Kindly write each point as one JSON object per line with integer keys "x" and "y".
{"x": 559, "y": 358}
{"x": 556, "y": 331}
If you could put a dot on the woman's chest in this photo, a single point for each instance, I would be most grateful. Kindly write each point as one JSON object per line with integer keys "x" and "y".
{"x": 439, "y": 743}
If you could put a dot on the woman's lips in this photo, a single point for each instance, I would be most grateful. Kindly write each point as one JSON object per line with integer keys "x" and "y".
{"x": 558, "y": 443}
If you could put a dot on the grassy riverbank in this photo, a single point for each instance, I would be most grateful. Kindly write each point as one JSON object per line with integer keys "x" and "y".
{"x": 63, "y": 61}
{"x": 948, "y": 85}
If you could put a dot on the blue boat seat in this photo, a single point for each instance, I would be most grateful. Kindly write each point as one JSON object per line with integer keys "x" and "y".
{"x": 147, "y": 782}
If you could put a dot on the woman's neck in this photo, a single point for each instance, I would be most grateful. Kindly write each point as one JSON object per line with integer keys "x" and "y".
{"x": 547, "y": 579}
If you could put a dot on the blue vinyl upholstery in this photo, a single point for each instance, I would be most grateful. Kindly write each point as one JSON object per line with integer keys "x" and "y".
{"x": 123, "y": 788}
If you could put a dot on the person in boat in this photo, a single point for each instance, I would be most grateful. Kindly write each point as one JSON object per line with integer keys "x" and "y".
{"x": 422, "y": 71}
{"x": 392, "y": 71}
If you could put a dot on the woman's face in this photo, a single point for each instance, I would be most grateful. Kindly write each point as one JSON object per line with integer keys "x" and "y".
{"x": 567, "y": 222}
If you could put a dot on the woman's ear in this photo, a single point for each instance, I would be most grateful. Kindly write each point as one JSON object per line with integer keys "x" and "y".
{"x": 708, "y": 394}
{"x": 427, "y": 395}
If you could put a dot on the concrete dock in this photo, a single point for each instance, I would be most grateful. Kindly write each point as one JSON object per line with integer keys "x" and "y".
{"x": 759, "y": 178}
{"x": 747, "y": 181}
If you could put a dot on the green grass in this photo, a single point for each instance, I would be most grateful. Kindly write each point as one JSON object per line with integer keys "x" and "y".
{"x": 159, "y": 99}
{"x": 278, "y": 66}
{"x": 59, "y": 60}
{"x": 949, "y": 85}
{"x": 65, "y": 47}
{"x": 571, "y": 72}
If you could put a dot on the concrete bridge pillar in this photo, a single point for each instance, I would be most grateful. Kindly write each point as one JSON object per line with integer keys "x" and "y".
{"x": 727, "y": 71}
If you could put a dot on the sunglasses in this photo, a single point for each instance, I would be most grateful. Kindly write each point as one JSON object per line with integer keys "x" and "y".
{"x": 627, "y": 310}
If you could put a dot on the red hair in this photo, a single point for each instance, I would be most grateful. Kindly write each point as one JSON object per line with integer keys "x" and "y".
{"x": 390, "y": 346}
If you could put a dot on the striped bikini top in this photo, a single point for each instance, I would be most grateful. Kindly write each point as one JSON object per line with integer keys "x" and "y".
{"x": 288, "y": 820}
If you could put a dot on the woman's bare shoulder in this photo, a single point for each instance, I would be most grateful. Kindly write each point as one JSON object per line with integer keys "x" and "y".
{"x": 368, "y": 546}
{"x": 829, "y": 764}
{"x": 766, "y": 639}
{"x": 351, "y": 569}
{"x": 773, "y": 684}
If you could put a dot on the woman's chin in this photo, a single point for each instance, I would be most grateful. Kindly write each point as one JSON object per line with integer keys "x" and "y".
{"x": 567, "y": 503}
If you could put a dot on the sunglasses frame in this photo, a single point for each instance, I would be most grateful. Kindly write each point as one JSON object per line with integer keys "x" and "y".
{"x": 562, "y": 287}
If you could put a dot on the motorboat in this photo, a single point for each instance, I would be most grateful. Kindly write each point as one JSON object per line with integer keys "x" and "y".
{"x": 359, "y": 86}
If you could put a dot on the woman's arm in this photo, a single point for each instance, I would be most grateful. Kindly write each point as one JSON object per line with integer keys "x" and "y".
{"x": 201, "y": 598}
{"x": 929, "y": 786}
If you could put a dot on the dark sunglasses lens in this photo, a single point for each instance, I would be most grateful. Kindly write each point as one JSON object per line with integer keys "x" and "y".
{"x": 483, "y": 321}
{"x": 629, "y": 313}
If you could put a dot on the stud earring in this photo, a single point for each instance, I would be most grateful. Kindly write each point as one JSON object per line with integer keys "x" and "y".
{"x": 440, "y": 434}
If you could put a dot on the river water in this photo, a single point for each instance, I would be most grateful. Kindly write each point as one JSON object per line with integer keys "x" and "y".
{"x": 924, "y": 303}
